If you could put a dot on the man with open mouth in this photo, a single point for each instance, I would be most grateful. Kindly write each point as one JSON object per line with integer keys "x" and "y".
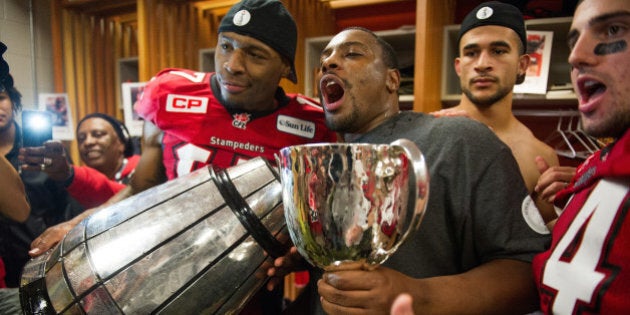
{"x": 587, "y": 268}
{"x": 473, "y": 249}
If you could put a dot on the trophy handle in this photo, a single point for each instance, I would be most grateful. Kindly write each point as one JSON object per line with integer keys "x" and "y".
{"x": 418, "y": 182}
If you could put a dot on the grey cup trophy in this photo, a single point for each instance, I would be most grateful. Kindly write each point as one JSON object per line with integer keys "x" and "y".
{"x": 350, "y": 206}
{"x": 197, "y": 244}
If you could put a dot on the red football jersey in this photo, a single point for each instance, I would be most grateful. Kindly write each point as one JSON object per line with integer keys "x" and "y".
{"x": 587, "y": 268}
{"x": 198, "y": 130}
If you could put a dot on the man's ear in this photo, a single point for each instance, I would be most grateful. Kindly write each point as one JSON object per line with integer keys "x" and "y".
{"x": 393, "y": 80}
{"x": 286, "y": 71}
{"x": 523, "y": 64}
{"x": 456, "y": 64}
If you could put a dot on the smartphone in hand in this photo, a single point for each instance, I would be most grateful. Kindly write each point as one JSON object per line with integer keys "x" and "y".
{"x": 36, "y": 127}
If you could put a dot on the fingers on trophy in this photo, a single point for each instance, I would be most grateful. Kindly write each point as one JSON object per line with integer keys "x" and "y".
{"x": 350, "y": 206}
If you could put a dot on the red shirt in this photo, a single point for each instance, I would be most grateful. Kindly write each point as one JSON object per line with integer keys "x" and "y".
{"x": 92, "y": 188}
{"x": 587, "y": 268}
{"x": 199, "y": 130}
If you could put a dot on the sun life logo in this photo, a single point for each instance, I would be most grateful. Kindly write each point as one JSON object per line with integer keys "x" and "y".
{"x": 484, "y": 13}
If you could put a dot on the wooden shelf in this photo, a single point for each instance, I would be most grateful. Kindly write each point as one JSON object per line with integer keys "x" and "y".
{"x": 127, "y": 71}
{"x": 206, "y": 60}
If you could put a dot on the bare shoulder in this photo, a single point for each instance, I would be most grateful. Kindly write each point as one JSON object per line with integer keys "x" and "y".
{"x": 546, "y": 152}
{"x": 524, "y": 144}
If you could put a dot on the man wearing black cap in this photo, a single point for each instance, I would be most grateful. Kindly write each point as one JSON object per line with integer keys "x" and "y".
{"x": 105, "y": 148}
{"x": 492, "y": 59}
{"x": 194, "y": 119}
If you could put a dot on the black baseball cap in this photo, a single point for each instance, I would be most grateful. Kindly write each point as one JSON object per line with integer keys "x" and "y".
{"x": 495, "y": 13}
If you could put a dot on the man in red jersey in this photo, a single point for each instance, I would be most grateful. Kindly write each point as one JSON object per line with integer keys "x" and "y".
{"x": 193, "y": 119}
{"x": 587, "y": 268}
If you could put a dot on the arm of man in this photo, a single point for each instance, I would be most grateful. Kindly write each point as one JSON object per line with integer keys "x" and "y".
{"x": 149, "y": 172}
{"x": 13, "y": 203}
{"x": 472, "y": 292}
{"x": 92, "y": 188}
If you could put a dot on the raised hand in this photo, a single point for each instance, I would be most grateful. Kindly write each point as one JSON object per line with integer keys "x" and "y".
{"x": 50, "y": 158}
{"x": 552, "y": 179}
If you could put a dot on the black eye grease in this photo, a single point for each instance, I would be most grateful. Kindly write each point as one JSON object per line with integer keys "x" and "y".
{"x": 610, "y": 48}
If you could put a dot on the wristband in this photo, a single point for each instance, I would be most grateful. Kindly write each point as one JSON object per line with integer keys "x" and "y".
{"x": 532, "y": 216}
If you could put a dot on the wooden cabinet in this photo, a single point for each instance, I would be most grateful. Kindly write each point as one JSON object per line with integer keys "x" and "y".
{"x": 206, "y": 60}
{"x": 403, "y": 42}
{"x": 127, "y": 71}
{"x": 559, "y": 70}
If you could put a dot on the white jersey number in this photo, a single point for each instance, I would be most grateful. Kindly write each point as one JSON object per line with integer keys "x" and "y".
{"x": 578, "y": 278}
{"x": 196, "y": 77}
{"x": 188, "y": 155}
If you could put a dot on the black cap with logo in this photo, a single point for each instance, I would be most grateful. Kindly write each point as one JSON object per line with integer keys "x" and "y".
{"x": 495, "y": 13}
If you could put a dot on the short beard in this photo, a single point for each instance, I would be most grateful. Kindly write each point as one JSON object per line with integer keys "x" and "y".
{"x": 614, "y": 127}
{"x": 489, "y": 101}
{"x": 344, "y": 124}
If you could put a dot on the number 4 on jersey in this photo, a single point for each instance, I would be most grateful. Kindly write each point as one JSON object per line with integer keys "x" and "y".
{"x": 577, "y": 278}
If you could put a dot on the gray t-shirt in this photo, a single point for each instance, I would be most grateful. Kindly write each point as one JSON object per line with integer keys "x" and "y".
{"x": 475, "y": 193}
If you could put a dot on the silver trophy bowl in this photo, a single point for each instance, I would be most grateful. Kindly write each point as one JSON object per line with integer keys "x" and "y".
{"x": 350, "y": 206}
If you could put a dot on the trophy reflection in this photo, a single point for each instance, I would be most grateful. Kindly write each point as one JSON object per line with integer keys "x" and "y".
{"x": 350, "y": 206}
